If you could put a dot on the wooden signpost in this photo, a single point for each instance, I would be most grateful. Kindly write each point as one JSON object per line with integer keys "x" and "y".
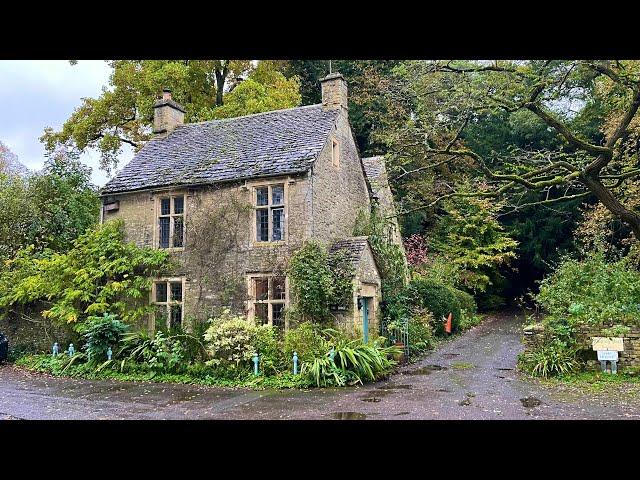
{"x": 608, "y": 348}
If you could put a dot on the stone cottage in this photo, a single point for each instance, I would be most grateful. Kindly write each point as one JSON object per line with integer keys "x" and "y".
{"x": 232, "y": 199}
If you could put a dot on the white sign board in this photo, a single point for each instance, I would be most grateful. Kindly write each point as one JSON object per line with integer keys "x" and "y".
{"x": 607, "y": 355}
{"x": 608, "y": 343}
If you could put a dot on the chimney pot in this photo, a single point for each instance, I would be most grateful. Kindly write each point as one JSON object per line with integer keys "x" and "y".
{"x": 167, "y": 114}
{"x": 334, "y": 92}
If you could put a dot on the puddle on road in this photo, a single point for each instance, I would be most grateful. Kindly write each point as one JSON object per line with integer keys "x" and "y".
{"x": 347, "y": 416}
{"x": 428, "y": 370}
{"x": 462, "y": 365}
{"x": 530, "y": 402}
{"x": 371, "y": 399}
{"x": 395, "y": 387}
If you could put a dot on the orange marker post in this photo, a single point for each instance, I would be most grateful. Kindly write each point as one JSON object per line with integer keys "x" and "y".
{"x": 447, "y": 327}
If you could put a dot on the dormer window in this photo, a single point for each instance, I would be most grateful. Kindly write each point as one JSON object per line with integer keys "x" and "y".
{"x": 171, "y": 221}
{"x": 335, "y": 152}
{"x": 269, "y": 213}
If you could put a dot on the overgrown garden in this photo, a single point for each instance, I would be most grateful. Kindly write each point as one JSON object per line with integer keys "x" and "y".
{"x": 516, "y": 185}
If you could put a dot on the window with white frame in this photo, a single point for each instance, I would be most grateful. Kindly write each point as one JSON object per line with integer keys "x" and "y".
{"x": 335, "y": 152}
{"x": 171, "y": 221}
{"x": 168, "y": 296}
{"x": 267, "y": 294}
{"x": 269, "y": 204}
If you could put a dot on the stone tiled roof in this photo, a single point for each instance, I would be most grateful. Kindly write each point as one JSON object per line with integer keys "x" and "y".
{"x": 353, "y": 247}
{"x": 375, "y": 171}
{"x": 273, "y": 143}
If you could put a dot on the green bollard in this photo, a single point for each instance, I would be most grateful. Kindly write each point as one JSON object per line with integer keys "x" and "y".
{"x": 256, "y": 359}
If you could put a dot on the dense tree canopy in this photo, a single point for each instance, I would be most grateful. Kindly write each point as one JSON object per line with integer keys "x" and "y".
{"x": 589, "y": 106}
{"x": 499, "y": 167}
{"x": 123, "y": 113}
{"x": 49, "y": 208}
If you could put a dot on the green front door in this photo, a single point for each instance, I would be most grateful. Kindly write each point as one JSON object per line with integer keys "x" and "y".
{"x": 365, "y": 319}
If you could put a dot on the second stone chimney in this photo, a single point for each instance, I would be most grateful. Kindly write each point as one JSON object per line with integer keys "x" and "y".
{"x": 167, "y": 114}
{"x": 334, "y": 92}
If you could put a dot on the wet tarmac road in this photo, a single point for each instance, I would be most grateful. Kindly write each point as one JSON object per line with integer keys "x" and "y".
{"x": 470, "y": 377}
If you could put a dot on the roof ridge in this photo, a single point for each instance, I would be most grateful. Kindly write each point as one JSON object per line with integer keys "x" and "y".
{"x": 221, "y": 120}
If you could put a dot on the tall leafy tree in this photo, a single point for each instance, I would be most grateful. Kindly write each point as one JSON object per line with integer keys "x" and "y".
{"x": 123, "y": 113}
{"x": 47, "y": 209}
{"x": 366, "y": 79}
{"x": 590, "y": 107}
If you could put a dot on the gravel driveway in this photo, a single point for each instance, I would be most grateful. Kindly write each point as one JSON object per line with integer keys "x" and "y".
{"x": 470, "y": 377}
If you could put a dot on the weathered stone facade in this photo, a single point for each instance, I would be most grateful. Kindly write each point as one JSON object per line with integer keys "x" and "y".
{"x": 321, "y": 203}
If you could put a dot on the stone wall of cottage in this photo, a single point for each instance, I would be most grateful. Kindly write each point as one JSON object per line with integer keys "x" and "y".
{"x": 629, "y": 359}
{"x": 222, "y": 279}
{"x": 338, "y": 192}
{"x": 367, "y": 284}
{"x": 322, "y": 204}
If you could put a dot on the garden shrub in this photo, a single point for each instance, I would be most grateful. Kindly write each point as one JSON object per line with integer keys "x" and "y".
{"x": 353, "y": 362}
{"x": 166, "y": 355}
{"x": 230, "y": 340}
{"x": 306, "y": 340}
{"x": 421, "y": 335}
{"x": 554, "y": 358}
{"x": 319, "y": 281}
{"x": 592, "y": 291}
{"x": 466, "y": 301}
{"x": 267, "y": 343}
{"x": 101, "y": 273}
{"x": 469, "y": 320}
{"x": 100, "y": 333}
{"x": 160, "y": 354}
{"x": 439, "y": 299}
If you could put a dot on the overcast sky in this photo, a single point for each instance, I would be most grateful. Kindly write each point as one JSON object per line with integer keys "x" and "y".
{"x": 43, "y": 93}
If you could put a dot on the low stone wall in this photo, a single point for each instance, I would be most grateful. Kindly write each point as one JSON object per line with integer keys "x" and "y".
{"x": 629, "y": 358}
{"x": 29, "y": 331}
{"x": 535, "y": 336}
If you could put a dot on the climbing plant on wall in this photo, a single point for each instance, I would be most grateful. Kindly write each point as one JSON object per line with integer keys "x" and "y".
{"x": 389, "y": 255}
{"x": 319, "y": 280}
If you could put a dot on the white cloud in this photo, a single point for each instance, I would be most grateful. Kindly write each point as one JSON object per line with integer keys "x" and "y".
{"x": 43, "y": 93}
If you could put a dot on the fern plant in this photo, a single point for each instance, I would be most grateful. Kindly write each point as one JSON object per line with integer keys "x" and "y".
{"x": 555, "y": 358}
{"x": 352, "y": 362}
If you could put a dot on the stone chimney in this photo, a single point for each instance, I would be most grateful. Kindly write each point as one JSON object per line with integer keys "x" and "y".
{"x": 167, "y": 114}
{"x": 334, "y": 92}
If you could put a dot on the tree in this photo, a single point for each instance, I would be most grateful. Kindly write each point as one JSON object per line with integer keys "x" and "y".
{"x": 472, "y": 240}
{"x": 47, "y": 209}
{"x": 9, "y": 163}
{"x": 66, "y": 203}
{"x": 369, "y": 108}
{"x": 16, "y": 215}
{"x": 100, "y": 274}
{"x": 589, "y": 106}
{"x": 264, "y": 90}
{"x": 123, "y": 113}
